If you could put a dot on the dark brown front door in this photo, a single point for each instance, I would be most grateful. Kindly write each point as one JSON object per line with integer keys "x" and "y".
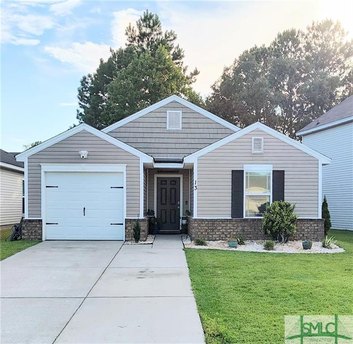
{"x": 168, "y": 203}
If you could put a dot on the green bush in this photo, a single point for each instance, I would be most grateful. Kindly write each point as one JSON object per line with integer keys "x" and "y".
{"x": 328, "y": 242}
{"x": 200, "y": 242}
{"x": 279, "y": 221}
{"x": 269, "y": 245}
{"x": 137, "y": 231}
{"x": 326, "y": 216}
{"x": 240, "y": 240}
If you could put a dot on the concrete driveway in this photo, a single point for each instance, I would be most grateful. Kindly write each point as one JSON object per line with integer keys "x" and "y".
{"x": 99, "y": 292}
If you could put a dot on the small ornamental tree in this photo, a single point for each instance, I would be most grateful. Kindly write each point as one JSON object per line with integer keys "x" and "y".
{"x": 137, "y": 231}
{"x": 326, "y": 216}
{"x": 279, "y": 221}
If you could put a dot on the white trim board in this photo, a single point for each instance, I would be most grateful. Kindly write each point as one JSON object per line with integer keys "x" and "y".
{"x": 322, "y": 158}
{"x": 22, "y": 156}
{"x": 11, "y": 167}
{"x": 173, "y": 98}
{"x": 304, "y": 132}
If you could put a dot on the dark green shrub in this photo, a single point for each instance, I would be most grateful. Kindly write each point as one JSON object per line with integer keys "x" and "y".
{"x": 269, "y": 245}
{"x": 280, "y": 221}
{"x": 326, "y": 216}
{"x": 137, "y": 231}
{"x": 200, "y": 242}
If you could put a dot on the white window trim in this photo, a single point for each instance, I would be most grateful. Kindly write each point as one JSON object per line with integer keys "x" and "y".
{"x": 180, "y": 119}
{"x": 253, "y": 150}
{"x": 256, "y": 168}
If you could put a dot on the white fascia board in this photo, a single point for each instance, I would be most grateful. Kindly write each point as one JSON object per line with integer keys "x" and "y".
{"x": 166, "y": 101}
{"x": 325, "y": 126}
{"x": 322, "y": 158}
{"x": 11, "y": 167}
{"x": 22, "y": 156}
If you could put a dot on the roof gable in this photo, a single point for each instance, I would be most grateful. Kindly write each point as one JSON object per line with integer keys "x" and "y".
{"x": 340, "y": 114}
{"x": 166, "y": 101}
{"x": 24, "y": 155}
{"x": 8, "y": 160}
{"x": 193, "y": 157}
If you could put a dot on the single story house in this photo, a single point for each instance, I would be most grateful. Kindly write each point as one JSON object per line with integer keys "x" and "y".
{"x": 172, "y": 157}
{"x": 11, "y": 189}
{"x": 332, "y": 134}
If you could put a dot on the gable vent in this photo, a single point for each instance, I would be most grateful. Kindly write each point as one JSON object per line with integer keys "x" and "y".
{"x": 174, "y": 120}
{"x": 257, "y": 145}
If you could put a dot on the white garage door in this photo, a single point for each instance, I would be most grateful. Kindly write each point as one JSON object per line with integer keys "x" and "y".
{"x": 84, "y": 206}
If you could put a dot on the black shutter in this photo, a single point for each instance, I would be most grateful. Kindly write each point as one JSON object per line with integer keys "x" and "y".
{"x": 237, "y": 193}
{"x": 277, "y": 185}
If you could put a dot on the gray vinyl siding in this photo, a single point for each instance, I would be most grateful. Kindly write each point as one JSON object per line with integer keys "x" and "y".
{"x": 150, "y": 135}
{"x": 214, "y": 174}
{"x": 99, "y": 152}
{"x": 151, "y": 188}
{"x": 337, "y": 178}
{"x": 11, "y": 196}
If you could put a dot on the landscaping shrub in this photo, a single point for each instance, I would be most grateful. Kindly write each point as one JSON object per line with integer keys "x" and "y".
{"x": 200, "y": 242}
{"x": 279, "y": 221}
{"x": 137, "y": 231}
{"x": 328, "y": 242}
{"x": 326, "y": 216}
{"x": 269, "y": 245}
{"x": 240, "y": 240}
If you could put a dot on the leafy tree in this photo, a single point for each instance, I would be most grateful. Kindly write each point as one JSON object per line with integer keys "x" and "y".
{"x": 33, "y": 144}
{"x": 326, "y": 216}
{"x": 147, "y": 70}
{"x": 287, "y": 84}
{"x": 147, "y": 79}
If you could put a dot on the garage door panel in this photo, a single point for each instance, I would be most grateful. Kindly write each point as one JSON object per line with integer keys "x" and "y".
{"x": 83, "y": 205}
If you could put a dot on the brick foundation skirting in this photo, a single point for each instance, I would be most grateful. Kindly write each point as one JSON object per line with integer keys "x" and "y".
{"x": 249, "y": 229}
{"x": 129, "y": 229}
{"x": 32, "y": 229}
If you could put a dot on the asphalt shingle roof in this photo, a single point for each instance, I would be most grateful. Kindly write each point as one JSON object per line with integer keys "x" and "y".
{"x": 9, "y": 158}
{"x": 341, "y": 111}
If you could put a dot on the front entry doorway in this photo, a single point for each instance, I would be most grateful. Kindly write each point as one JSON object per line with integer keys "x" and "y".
{"x": 168, "y": 204}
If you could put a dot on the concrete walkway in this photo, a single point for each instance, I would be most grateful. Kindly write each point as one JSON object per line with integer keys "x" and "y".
{"x": 99, "y": 292}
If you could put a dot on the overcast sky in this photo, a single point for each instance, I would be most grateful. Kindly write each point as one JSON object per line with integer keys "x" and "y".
{"x": 47, "y": 46}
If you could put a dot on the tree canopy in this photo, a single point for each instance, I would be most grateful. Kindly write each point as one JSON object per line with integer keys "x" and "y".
{"x": 287, "y": 84}
{"x": 147, "y": 70}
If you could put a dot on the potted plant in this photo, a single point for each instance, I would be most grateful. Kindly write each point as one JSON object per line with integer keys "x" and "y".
{"x": 232, "y": 243}
{"x": 307, "y": 244}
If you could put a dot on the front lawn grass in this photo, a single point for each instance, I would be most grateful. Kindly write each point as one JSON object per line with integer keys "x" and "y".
{"x": 8, "y": 248}
{"x": 242, "y": 297}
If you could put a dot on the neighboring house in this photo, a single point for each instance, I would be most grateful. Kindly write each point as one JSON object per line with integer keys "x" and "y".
{"x": 11, "y": 189}
{"x": 332, "y": 135}
{"x": 170, "y": 157}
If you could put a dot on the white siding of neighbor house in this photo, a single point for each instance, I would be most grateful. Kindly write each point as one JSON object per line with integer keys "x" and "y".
{"x": 215, "y": 168}
{"x": 151, "y": 188}
{"x": 337, "y": 178}
{"x": 99, "y": 152}
{"x": 149, "y": 133}
{"x": 11, "y": 196}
